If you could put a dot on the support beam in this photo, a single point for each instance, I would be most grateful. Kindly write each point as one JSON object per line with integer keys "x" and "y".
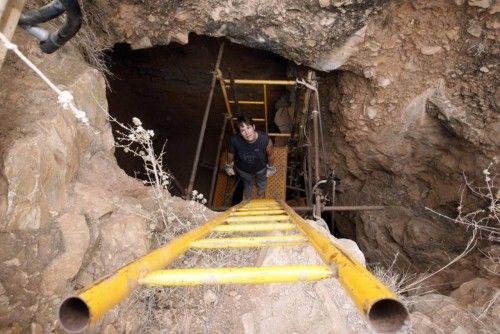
{"x": 258, "y": 212}
{"x": 260, "y": 218}
{"x": 262, "y": 82}
{"x": 10, "y": 11}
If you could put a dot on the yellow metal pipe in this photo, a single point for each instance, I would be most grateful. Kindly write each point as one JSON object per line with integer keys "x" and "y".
{"x": 259, "y": 218}
{"x": 254, "y": 227}
{"x": 265, "y": 241}
{"x": 258, "y": 212}
{"x": 379, "y": 304}
{"x": 263, "y": 205}
{"x": 262, "y": 82}
{"x": 248, "y": 102}
{"x": 75, "y": 313}
{"x": 261, "y": 208}
{"x": 273, "y": 134}
{"x": 238, "y": 275}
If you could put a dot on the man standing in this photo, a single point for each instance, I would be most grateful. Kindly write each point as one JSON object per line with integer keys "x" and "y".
{"x": 250, "y": 155}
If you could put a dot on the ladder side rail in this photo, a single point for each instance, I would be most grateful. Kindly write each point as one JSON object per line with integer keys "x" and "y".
{"x": 78, "y": 311}
{"x": 378, "y": 303}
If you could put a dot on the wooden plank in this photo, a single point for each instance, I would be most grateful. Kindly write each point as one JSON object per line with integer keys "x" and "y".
{"x": 10, "y": 11}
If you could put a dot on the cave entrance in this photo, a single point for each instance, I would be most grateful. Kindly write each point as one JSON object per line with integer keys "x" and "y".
{"x": 166, "y": 87}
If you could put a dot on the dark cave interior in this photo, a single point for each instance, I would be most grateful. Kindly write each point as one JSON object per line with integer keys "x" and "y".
{"x": 167, "y": 88}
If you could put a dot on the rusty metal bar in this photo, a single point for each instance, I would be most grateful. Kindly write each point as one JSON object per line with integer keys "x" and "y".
{"x": 326, "y": 208}
{"x": 239, "y": 242}
{"x": 226, "y": 99}
{"x": 264, "y": 87}
{"x": 217, "y": 158}
{"x": 205, "y": 119}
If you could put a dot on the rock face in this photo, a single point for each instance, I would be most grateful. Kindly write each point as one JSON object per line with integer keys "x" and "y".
{"x": 68, "y": 213}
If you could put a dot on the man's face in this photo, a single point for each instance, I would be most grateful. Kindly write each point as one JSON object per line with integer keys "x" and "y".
{"x": 248, "y": 132}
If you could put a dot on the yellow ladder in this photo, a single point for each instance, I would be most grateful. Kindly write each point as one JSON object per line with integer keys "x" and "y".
{"x": 380, "y": 305}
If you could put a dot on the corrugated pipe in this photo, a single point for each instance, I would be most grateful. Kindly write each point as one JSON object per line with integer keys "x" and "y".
{"x": 51, "y": 41}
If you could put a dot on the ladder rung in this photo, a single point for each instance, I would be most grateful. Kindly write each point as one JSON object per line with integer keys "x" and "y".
{"x": 266, "y": 241}
{"x": 237, "y": 275}
{"x": 247, "y": 102}
{"x": 261, "y": 207}
{"x": 259, "y": 218}
{"x": 254, "y": 227}
{"x": 258, "y": 212}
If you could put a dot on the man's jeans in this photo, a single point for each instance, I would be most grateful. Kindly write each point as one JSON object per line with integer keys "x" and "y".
{"x": 247, "y": 178}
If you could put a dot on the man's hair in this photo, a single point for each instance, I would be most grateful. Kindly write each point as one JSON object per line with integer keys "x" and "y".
{"x": 244, "y": 119}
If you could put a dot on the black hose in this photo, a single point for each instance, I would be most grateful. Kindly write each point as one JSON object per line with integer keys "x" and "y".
{"x": 57, "y": 38}
{"x": 44, "y": 14}
{"x": 67, "y": 31}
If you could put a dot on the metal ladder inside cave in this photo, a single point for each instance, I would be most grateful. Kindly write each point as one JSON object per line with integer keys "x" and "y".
{"x": 380, "y": 305}
{"x": 276, "y": 185}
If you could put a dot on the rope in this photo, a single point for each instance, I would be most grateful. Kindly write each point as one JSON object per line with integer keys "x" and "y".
{"x": 65, "y": 98}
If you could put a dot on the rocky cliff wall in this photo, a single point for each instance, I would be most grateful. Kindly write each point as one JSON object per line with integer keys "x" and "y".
{"x": 68, "y": 213}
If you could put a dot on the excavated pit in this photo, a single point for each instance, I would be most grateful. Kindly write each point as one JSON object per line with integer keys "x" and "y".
{"x": 167, "y": 88}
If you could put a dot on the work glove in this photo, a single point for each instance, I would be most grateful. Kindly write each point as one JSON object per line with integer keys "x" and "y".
{"x": 229, "y": 169}
{"x": 271, "y": 170}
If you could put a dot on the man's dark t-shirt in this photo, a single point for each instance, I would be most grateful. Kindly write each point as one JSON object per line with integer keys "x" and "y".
{"x": 249, "y": 157}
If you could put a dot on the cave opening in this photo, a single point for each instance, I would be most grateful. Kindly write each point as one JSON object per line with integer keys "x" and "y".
{"x": 166, "y": 87}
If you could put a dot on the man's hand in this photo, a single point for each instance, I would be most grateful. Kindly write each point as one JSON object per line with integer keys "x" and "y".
{"x": 271, "y": 170}
{"x": 228, "y": 167}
